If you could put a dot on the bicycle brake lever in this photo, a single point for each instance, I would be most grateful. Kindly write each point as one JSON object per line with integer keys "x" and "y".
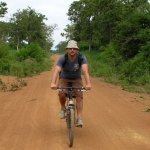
{"x": 82, "y": 89}
{"x": 59, "y": 88}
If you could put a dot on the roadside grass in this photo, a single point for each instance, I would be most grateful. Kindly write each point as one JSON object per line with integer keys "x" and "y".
{"x": 28, "y": 61}
{"x": 101, "y": 65}
{"x": 12, "y": 86}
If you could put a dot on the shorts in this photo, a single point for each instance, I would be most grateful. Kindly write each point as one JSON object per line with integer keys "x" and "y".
{"x": 76, "y": 83}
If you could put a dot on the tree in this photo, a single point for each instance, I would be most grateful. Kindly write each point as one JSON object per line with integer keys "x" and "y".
{"x": 133, "y": 32}
{"x": 3, "y": 25}
{"x": 73, "y": 16}
{"x": 48, "y": 32}
{"x": 80, "y": 14}
{"x": 69, "y": 32}
{"x": 4, "y": 31}
{"x": 60, "y": 48}
{"x": 95, "y": 21}
{"x": 28, "y": 26}
{"x": 3, "y": 9}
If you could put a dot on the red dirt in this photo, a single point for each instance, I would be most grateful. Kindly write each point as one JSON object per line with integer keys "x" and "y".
{"x": 113, "y": 118}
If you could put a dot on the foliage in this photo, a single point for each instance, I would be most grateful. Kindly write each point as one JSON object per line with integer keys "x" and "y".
{"x": 117, "y": 35}
{"x": 133, "y": 33}
{"x": 130, "y": 74}
{"x": 33, "y": 50}
{"x": 101, "y": 69}
{"x": 61, "y": 47}
{"x": 28, "y": 61}
{"x": 27, "y": 32}
{"x": 69, "y": 32}
{"x": 28, "y": 26}
{"x": 4, "y": 31}
{"x": 104, "y": 22}
{"x": 3, "y": 49}
{"x": 3, "y": 9}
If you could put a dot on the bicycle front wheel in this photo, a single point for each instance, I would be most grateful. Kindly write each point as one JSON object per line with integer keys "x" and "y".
{"x": 71, "y": 126}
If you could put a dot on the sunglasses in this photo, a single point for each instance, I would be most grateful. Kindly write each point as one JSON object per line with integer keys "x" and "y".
{"x": 72, "y": 49}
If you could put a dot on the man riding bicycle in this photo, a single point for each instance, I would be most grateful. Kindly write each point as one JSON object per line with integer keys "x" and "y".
{"x": 68, "y": 68}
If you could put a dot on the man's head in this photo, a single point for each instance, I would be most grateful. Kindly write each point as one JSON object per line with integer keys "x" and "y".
{"x": 72, "y": 47}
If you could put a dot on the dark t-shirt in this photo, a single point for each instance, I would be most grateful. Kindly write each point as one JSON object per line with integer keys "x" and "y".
{"x": 72, "y": 70}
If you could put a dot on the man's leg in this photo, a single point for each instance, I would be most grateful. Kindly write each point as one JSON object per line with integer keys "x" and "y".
{"x": 79, "y": 105}
{"x": 62, "y": 99}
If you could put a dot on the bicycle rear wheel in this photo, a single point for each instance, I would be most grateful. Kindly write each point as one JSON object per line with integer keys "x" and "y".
{"x": 71, "y": 126}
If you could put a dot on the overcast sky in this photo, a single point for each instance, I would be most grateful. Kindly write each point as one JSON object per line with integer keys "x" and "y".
{"x": 54, "y": 10}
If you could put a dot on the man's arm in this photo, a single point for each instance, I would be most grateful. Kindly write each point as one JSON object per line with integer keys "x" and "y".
{"x": 86, "y": 76}
{"x": 54, "y": 77}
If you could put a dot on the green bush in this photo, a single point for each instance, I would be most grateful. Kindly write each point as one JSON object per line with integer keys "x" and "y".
{"x": 3, "y": 49}
{"x": 136, "y": 70}
{"x": 98, "y": 64}
{"x": 33, "y": 50}
{"x": 111, "y": 67}
{"x": 16, "y": 69}
{"x": 23, "y": 54}
{"x": 5, "y": 64}
{"x": 28, "y": 61}
{"x": 83, "y": 46}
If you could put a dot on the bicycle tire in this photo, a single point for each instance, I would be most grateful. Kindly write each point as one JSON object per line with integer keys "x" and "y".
{"x": 71, "y": 126}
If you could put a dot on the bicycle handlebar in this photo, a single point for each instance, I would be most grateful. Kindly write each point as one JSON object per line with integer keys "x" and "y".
{"x": 82, "y": 89}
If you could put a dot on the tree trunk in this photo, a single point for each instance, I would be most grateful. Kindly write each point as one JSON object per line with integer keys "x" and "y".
{"x": 17, "y": 44}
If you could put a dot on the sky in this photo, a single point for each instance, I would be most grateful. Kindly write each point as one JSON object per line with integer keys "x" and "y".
{"x": 54, "y": 10}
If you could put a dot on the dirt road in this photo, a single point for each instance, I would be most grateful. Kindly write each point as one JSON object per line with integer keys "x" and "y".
{"x": 113, "y": 118}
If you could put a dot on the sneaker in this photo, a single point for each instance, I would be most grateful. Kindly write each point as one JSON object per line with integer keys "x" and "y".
{"x": 62, "y": 113}
{"x": 79, "y": 122}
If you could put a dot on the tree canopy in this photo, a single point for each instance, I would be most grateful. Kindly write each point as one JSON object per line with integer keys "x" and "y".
{"x": 3, "y": 8}
{"x": 99, "y": 23}
{"x": 26, "y": 26}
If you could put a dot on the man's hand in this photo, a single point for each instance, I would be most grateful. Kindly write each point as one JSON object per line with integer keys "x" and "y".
{"x": 53, "y": 86}
{"x": 88, "y": 87}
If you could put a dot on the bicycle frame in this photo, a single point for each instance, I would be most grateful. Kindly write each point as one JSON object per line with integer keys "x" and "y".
{"x": 70, "y": 105}
{"x": 70, "y": 111}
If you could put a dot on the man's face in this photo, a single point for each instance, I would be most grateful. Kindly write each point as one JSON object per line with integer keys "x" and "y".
{"x": 72, "y": 51}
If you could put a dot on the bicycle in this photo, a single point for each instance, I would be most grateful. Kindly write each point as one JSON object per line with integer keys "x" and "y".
{"x": 70, "y": 111}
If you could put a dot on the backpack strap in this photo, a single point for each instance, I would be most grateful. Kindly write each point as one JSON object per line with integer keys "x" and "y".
{"x": 66, "y": 60}
{"x": 80, "y": 58}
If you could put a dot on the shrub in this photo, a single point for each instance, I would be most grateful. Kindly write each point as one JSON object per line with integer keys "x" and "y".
{"x": 33, "y": 50}
{"x": 3, "y": 49}
{"x": 5, "y": 64}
